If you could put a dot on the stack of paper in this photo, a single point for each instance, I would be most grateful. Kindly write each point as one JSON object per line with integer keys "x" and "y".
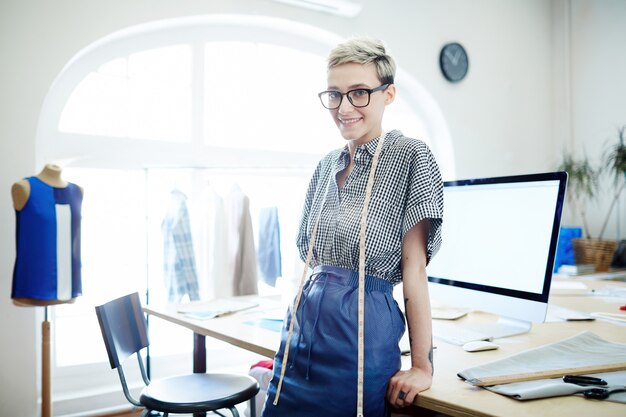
{"x": 578, "y": 269}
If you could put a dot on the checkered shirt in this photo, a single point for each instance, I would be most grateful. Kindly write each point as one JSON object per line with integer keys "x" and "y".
{"x": 407, "y": 189}
{"x": 179, "y": 265}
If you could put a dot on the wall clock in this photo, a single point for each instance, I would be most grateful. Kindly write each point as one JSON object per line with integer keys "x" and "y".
{"x": 453, "y": 62}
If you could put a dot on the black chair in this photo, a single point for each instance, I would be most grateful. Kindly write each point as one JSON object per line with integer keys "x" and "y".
{"x": 125, "y": 332}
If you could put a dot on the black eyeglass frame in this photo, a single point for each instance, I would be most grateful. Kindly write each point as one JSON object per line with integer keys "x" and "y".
{"x": 347, "y": 94}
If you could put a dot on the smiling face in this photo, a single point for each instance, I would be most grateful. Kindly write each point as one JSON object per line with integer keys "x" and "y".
{"x": 359, "y": 125}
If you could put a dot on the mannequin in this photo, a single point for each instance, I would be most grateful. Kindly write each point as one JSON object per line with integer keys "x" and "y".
{"x": 20, "y": 192}
{"x": 51, "y": 175}
{"x": 47, "y": 265}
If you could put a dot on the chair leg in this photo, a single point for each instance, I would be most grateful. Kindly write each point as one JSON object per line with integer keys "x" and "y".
{"x": 253, "y": 406}
{"x": 234, "y": 411}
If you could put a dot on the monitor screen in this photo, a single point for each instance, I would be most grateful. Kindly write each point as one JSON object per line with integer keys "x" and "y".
{"x": 499, "y": 241}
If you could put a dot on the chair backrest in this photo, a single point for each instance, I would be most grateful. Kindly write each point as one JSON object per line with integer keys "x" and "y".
{"x": 124, "y": 328}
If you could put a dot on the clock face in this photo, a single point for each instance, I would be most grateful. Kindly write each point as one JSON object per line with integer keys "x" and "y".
{"x": 453, "y": 62}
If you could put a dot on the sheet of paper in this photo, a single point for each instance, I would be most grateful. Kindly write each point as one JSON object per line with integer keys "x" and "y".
{"x": 448, "y": 313}
{"x": 569, "y": 288}
{"x": 557, "y": 313}
{"x": 202, "y": 310}
{"x": 268, "y": 324}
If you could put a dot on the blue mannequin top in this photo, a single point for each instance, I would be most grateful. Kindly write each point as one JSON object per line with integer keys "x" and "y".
{"x": 47, "y": 265}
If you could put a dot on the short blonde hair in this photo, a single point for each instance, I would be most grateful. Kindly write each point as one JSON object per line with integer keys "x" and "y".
{"x": 364, "y": 50}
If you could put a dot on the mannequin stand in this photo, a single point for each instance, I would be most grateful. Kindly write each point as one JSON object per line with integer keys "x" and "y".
{"x": 45, "y": 199}
{"x": 46, "y": 350}
{"x": 46, "y": 386}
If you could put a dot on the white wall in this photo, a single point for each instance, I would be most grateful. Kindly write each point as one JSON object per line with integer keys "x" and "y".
{"x": 507, "y": 117}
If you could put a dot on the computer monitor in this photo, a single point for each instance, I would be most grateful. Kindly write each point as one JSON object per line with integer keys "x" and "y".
{"x": 499, "y": 241}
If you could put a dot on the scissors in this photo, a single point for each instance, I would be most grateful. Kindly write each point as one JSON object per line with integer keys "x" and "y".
{"x": 595, "y": 393}
{"x": 601, "y": 393}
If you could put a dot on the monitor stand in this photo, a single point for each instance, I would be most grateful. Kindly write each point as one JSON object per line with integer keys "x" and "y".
{"x": 504, "y": 327}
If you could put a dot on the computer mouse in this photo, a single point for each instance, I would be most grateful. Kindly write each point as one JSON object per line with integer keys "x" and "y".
{"x": 479, "y": 345}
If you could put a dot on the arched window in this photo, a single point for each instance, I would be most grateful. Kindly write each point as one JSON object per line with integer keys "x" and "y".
{"x": 190, "y": 104}
{"x": 209, "y": 87}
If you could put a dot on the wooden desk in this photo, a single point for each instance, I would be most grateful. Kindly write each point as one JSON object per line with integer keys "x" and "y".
{"x": 230, "y": 328}
{"x": 448, "y": 394}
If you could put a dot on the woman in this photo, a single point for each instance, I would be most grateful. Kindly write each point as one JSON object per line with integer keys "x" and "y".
{"x": 340, "y": 340}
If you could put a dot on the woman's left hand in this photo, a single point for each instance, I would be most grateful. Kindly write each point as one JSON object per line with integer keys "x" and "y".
{"x": 405, "y": 385}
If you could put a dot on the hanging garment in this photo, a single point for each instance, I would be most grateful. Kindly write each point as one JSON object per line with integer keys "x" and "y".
{"x": 268, "y": 252}
{"x": 218, "y": 266}
{"x": 241, "y": 244}
{"x": 47, "y": 265}
{"x": 179, "y": 266}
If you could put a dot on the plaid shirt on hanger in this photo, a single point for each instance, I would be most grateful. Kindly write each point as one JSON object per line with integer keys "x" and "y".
{"x": 179, "y": 265}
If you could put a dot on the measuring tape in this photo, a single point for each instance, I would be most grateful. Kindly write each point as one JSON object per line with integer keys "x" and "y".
{"x": 361, "y": 324}
{"x": 361, "y": 290}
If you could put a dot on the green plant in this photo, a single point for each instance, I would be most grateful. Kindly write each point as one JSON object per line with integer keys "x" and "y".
{"x": 584, "y": 180}
{"x": 582, "y": 183}
{"x": 615, "y": 164}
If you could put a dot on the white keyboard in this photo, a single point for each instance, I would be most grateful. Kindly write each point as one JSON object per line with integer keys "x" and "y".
{"x": 455, "y": 334}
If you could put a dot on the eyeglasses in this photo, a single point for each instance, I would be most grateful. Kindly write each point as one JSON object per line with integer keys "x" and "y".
{"x": 359, "y": 97}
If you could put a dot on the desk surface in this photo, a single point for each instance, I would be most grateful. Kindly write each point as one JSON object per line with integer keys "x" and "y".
{"x": 448, "y": 394}
{"x": 232, "y": 328}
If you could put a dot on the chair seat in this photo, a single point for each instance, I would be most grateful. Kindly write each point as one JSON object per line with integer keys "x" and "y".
{"x": 198, "y": 392}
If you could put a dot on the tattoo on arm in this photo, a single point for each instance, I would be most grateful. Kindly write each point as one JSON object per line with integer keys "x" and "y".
{"x": 430, "y": 358}
{"x": 408, "y": 322}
